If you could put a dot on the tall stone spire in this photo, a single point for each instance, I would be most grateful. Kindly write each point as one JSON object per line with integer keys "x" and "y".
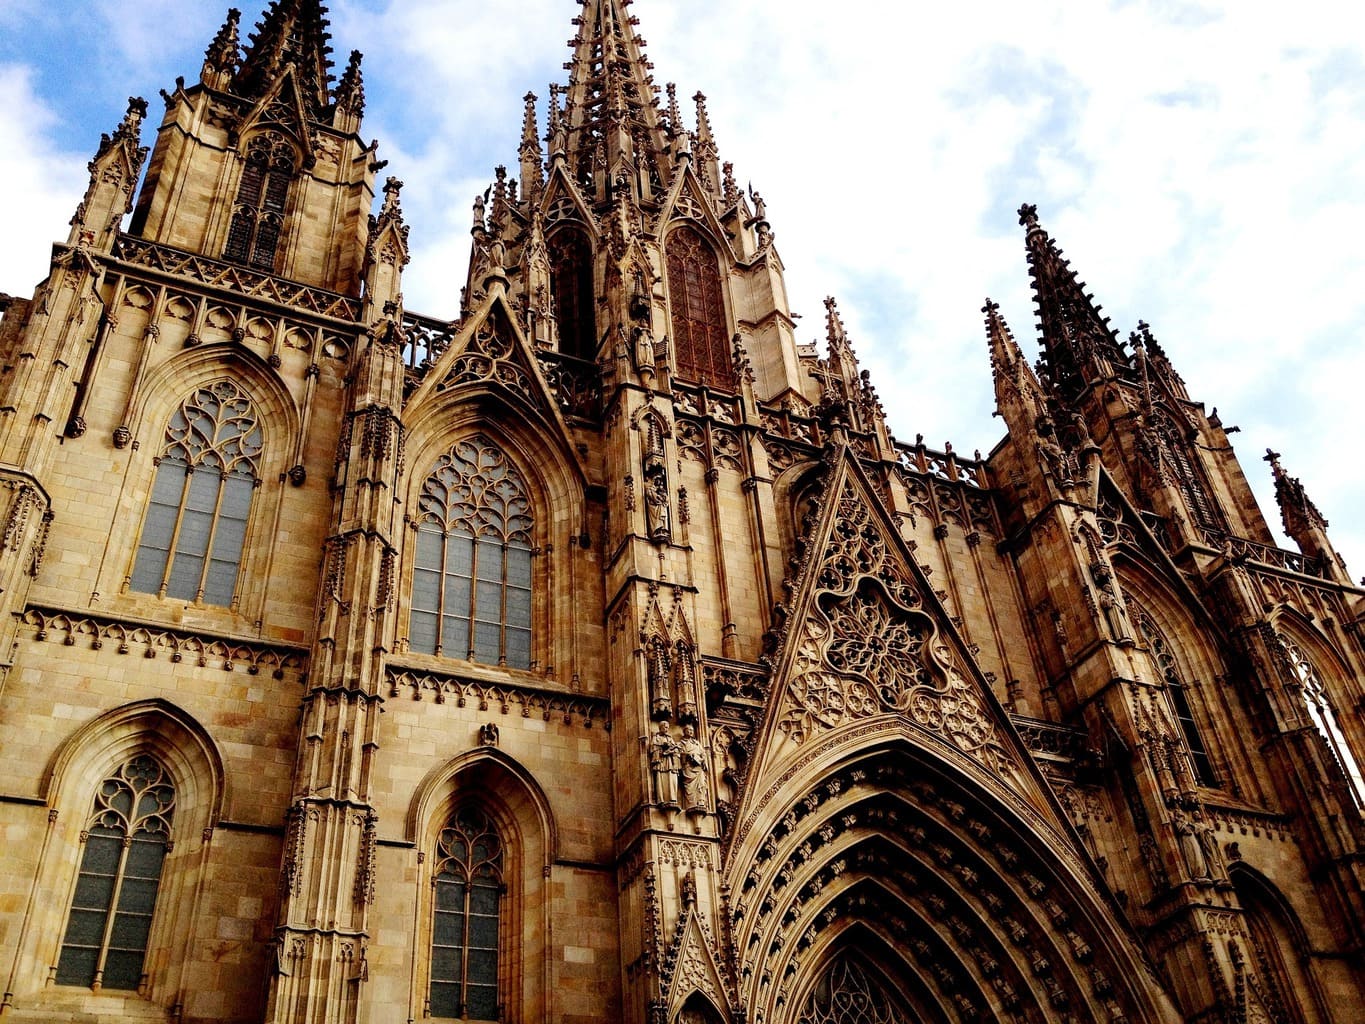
{"x": 1303, "y": 523}
{"x": 1016, "y": 386}
{"x": 1079, "y": 346}
{"x": 611, "y": 108}
{"x": 291, "y": 33}
{"x": 220, "y": 60}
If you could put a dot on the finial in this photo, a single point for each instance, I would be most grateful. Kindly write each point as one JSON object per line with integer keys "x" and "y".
{"x": 834, "y": 324}
{"x": 703, "y": 119}
{"x": 1028, "y": 216}
{"x": 1273, "y": 457}
{"x": 675, "y": 124}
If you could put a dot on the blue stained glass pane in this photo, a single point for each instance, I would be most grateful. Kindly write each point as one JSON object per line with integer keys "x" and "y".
{"x": 460, "y": 554}
{"x": 457, "y": 595}
{"x": 519, "y": 648}
{"x": 428, "y": 548}
{"x": 487, "y": 641}
{"x": 518, "y": 566}
{"x": 77, "y": 965}
{"x": 518, "y": 607}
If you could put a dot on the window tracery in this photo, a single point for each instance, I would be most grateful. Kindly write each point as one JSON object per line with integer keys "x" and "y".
{"x": 1324, "y": 717}
{"x": 701, "y": 344}
{"x": 258, "y": 212}
{"x": 467, "y": 889}
{"x": 125, "y": 844}
{"x": 571, "y": 280}
{"x": 471, "y": 590}
{"x": 847, "y": 994}
{"x": 195, "y": 528}
{"x": 1178, "y": 693}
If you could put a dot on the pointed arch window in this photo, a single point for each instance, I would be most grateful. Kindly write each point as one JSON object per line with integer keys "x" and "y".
{"x": 258, "y": 212}
{"x": 471, "y": 588}
{"x": 467, "y": 890}
{"x": 571, "y": 283}
{"x": 701, "y": 344}
{"x": 192, "y": 538}
{"x": 124, "y": 846}
{"x": 1176, "y": 453}
{"x": 1324, "y": 717}
{"x": 1179, "y": 694}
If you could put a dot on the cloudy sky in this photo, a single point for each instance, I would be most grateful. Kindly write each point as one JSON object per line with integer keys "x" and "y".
{"x": 1202, "y": 164}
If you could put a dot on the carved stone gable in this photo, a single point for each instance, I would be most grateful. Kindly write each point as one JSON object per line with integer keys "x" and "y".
{"x": 865, "y": 645}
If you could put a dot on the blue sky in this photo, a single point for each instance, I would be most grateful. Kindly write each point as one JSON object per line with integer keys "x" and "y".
{"x": 1201, "y": 164}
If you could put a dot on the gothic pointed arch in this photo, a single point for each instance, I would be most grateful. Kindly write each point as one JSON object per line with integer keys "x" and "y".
{"x": 696, "y": 295}
{"x": 1279, "y": 949}
{"x": 270, "y": 163}
{"x": 488, "y": 838}
{"x": 571, "y": 281}
{"x": 854, "y": 981}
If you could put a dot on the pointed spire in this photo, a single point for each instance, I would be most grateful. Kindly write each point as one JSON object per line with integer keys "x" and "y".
{"x": 611, "y": 98}
{"x": 220, "y": 60}
{"x": 113, "y": 173}
{"x": 350, "y": 93}
{"x": 291, "y": 33}
{"x": 532, "y": 157}
{"x": 1155, "y": 360}
{"x": 1014, "y": 378}
{"x": 1078, "y": 343}
{"x": 1296, "y": 508}
{"x": 708, "y": 165}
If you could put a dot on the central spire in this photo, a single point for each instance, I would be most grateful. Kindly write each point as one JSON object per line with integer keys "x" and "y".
{"x": 611, "y": 114}
{"x": 292, "y": 33}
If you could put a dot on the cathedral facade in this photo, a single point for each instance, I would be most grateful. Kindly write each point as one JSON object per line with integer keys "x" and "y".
{"x": 600, "y": 655}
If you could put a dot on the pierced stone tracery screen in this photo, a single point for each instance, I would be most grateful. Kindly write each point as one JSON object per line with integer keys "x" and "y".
{"x": 125, "y": 844}
{"x": 471, "y": 586}
{"x": 847, "y": 995}
{"x": 467, "y": 888}
{"x": 1324, "y": 717}
{"x": 701, "y": 344}
{"x": 192, "y": 538}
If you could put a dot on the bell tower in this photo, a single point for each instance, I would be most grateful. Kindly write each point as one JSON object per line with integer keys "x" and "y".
{"x": 259, "y": 164}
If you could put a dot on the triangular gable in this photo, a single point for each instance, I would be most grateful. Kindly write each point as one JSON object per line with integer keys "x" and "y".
{"x": 687, "y": 200}
{"x": 491, "y": 352}
{"x": 562, "y": 201}
{"x": 1120, "y": 526}
{"x": 866, "y": 638}
{"x": 695, "y": 967}
{"x": 282, "y": 104}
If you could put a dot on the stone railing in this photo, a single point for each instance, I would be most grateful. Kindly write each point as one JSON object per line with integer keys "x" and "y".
{"x": 231, "y": 277}
{"x": 1279, "y": 558}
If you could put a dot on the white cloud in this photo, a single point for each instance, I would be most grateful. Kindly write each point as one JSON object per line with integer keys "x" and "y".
{"x": 1198, "y": 162}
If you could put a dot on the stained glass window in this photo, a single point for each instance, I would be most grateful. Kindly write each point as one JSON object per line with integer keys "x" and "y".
{"x": 471, "y": 586}
{"x": 701, "y": 344}
{"x": 571, "y": 282}
{"x": 125, "y": 844}
{"x": 258, "y": 213}
{"x": 467, "y": 890}
{"x": 1324, "y": 717}
{"x": 191, "y": 546}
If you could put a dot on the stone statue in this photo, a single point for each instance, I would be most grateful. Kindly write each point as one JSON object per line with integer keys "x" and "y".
{"x": 656, "y": 507}
{"x": 1191, "y": 847}
{"x": 664, "y": 763}
{"x": 696, "y": 791}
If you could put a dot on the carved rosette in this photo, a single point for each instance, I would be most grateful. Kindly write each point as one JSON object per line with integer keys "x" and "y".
{"x": 866, "y": 648}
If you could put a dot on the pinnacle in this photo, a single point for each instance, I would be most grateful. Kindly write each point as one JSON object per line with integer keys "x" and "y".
{"x": 1296, "y": 508}
{"x": 224, "y": 52}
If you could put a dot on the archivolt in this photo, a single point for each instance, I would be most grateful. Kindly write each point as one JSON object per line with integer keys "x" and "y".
{"x": 989, "y": 924}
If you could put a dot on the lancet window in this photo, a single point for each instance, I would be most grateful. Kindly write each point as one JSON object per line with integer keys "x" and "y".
{"x": 124, "y": 846}
{"x": 701, "y": 344}
{"x": 471, "y": 588}
{"x": 571, "y": 283}
{"x": 258, "y": 212}
{"x": 192, "y": 538}
{"x": 1178, "y": 692}
{"x": 1324, "y": 717}
{"x": 1186, "y": 476}
{"x": 467, "y": 889}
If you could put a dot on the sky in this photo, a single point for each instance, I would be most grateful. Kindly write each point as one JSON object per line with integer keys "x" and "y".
{"x": 1202, "y": 165}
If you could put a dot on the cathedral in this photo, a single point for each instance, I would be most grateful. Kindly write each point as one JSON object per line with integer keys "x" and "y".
{"x": 600, "y": 655}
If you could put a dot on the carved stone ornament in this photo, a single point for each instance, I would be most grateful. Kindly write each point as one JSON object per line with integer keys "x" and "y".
{"x": 865, "y": 648}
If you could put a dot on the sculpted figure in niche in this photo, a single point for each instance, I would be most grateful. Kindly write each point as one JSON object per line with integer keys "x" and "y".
{"x": 696, "y": 790}
{"x": 656, "y": 506}
{"x": 1191, "y": 847}
{"x": 664, "y": 763}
